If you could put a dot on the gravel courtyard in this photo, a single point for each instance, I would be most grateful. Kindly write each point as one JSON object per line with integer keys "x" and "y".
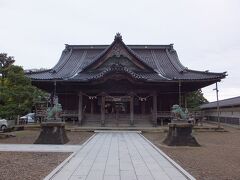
{"x": 33, "y": 165}
{"x": 218, "y": 158}
{"x": 29, "y": 136}
{"x": 30, "y": 166}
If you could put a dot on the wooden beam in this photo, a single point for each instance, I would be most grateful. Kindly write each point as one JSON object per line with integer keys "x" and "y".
{"x": 80, "y": 113}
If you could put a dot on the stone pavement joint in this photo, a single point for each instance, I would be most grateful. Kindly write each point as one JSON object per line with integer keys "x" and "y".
{"x": 39, "y": 148}
{"x": 119, "y": 155}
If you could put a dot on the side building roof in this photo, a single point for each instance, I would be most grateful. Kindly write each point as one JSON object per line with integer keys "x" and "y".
{"x": 231, "y": 102}
{"x": 161, "y": 59}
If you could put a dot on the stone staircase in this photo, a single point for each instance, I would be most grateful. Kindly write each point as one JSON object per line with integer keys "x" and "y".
{"x": 118, "y": 120}
{"x": 92, "y": 120}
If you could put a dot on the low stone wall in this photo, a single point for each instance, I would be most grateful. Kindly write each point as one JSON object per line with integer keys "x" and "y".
{"x": 227, "y": 120}
{"x": 228, "y": 115}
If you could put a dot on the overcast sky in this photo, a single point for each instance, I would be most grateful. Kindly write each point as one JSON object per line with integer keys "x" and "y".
{"x": 205, "y": 33}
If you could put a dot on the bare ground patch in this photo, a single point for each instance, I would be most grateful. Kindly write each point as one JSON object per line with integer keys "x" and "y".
{"x": 28, "y": 165}
{"x": 218, "y": 158}
{"x": 33, "y": 165}
{"x": 29, "y": 136}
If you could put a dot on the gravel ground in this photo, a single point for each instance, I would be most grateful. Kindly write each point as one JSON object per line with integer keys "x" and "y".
{"x": 25, "y": 165}
{"x": 29, "y": 136}
{"x": 32, "y": 165}
{"x": 78, "y": 137}
{"x": 218, "y": 158}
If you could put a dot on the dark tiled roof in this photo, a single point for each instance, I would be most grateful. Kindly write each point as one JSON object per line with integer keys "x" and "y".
{"x": 223, "y": 103}
{"x": 162, "y": 59}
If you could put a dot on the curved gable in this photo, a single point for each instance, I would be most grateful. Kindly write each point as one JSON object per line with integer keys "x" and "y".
{"x": 117, "y": 49}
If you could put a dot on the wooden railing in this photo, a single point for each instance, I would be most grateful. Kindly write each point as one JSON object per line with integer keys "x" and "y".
{"x": 164, "y": 114}
{"x": 69, "y": 113}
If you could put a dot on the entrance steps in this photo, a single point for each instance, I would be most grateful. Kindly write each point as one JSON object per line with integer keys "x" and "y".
{"x": 117, "y": 120}
{"x": 129, "y": 128}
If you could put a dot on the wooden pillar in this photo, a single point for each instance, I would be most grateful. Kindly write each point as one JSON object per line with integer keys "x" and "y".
{"x": 103, "y": 111}
{"x": 55, "y": 89}
{"x": 160, "y": 108}
{"x": 131, "y": 110}
{"x": 92, "y": 106}
{"x": 185, "y": 100}
{"x": 179, "y": 93}
{"x": 143, "y": 107}
{"x": 80, "y": 113}
{"x": 154, "y": 109}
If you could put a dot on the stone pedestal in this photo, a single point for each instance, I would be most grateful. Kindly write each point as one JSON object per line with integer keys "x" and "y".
{"x": 52, "y": 133}
{"x": 179, "y": 134}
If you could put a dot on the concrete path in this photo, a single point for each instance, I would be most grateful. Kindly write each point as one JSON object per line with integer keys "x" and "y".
{"x": 39, "y": 148}
{"x": 119, "y": 155}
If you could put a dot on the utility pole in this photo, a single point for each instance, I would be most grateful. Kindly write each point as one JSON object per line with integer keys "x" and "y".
{"x": 218, "y": 118}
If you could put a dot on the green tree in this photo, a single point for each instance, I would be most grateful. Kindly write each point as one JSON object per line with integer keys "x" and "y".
{"x": 17, "y": 94}
{"x": 195, "y": 99}
{"x": 5, "y": 62}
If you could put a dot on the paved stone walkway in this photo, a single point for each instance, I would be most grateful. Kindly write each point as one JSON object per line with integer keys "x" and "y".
{"x": 39, "y": 148}
{"x": 118, "y": 155}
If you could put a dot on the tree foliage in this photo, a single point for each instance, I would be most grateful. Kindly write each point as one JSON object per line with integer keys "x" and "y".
{"x": 195, "y": 99}
{"x": 5, "y": 62}
{"x": 17, "y": 95}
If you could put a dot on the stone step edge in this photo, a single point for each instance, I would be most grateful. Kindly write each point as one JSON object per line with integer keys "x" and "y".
{"x": 116, "y": 131}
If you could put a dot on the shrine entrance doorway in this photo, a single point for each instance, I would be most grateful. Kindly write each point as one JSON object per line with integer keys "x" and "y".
{"x": 117, "y": 111}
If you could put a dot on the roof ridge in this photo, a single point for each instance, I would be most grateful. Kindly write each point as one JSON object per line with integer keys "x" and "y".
{"x": 76, "y": 71}
{"x": 159, "y": 68}
{"x": 222, "y": 103}
{"x": 64, "y": 63}
{"x": 37, "y": 72}
{"x": 179, "y": 69}
{"x": 154, "y": 60}
{"x": 223, "y": 100}
{"x": 103, "y": 46}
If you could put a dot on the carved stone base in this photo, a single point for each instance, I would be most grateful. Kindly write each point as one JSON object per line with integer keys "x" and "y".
{"x": 52, "y": 133}
{"x": 179, "y": 134}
